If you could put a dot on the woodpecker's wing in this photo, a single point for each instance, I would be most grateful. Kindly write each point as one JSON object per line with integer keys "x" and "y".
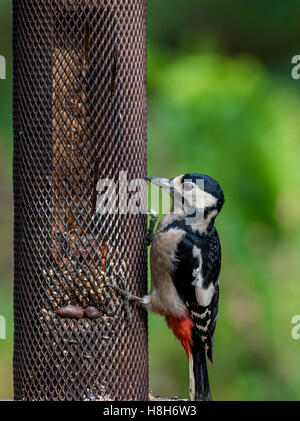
{"x": 195, "y": 275}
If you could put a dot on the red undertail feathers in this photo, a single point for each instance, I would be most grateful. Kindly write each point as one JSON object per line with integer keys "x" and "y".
{"x": 182, "y": 329}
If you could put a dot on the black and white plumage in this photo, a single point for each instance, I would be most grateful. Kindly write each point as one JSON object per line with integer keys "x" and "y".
{"x": 185, "y": 267}
{"x": 196, "y": 278}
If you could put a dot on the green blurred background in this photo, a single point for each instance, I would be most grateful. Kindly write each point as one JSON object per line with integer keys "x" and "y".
{"x": 221, "y": 101}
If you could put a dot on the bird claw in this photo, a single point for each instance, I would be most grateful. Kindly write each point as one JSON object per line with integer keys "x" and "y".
{"x": 149, "y": 239}
{"x": 127, "y": 297}
{"x": 153, "y": 220}
{"x": 125, "y": 294}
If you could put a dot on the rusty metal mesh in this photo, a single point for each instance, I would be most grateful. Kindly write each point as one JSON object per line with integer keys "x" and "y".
{"x": 79, "y": 115}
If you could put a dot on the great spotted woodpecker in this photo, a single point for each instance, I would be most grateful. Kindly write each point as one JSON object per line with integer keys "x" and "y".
{"x": 185, "y": 261}
{"x": 185, "y": 266}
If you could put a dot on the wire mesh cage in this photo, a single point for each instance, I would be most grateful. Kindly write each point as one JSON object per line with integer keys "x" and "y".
{"x": 79, "y": 116}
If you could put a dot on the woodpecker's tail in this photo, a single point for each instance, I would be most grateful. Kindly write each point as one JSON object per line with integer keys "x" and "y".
{"x": 199, "y": 384}
{"x": 190, "y": 338}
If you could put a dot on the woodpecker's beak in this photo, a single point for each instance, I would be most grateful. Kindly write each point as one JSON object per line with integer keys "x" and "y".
{"x": 164, "y": 183}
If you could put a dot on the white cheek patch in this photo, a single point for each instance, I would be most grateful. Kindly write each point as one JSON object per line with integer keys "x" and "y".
{"x": 198, "y": 198}
{"x": 208, "y": 200}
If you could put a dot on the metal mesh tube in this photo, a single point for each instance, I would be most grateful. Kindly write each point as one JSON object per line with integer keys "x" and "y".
{"x": 79, "y": 116}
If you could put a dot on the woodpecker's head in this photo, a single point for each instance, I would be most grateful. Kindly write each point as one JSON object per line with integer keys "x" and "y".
{"x": 193, "y": 193}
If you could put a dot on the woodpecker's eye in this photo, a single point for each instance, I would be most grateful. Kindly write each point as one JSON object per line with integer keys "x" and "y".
{"x": 188, "y": 186}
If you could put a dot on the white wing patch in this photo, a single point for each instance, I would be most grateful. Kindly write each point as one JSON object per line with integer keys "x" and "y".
{"x": 203, "y": 295}
{"x": 197, "y": 272}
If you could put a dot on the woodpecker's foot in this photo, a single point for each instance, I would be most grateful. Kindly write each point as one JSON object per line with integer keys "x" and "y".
{"x": 127, "y": 297}
{"x": 153, "y": 220}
